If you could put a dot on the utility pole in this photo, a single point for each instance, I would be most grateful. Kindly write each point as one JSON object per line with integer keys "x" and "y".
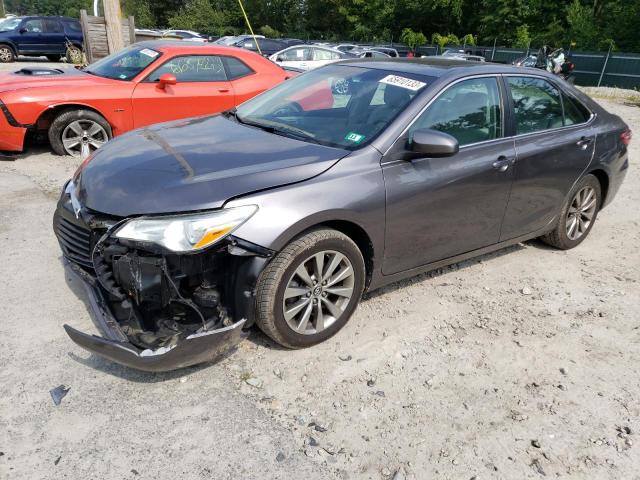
{"x": 113, "y": 21}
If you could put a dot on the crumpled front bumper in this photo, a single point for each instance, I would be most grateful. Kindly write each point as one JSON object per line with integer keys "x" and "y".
{"x": 194, "y": 349}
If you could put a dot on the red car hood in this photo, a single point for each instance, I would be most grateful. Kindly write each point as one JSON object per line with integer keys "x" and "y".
{"x": 49, "y": 77}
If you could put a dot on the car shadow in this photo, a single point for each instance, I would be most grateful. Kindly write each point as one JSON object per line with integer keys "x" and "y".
{"x": 439, "y": 272}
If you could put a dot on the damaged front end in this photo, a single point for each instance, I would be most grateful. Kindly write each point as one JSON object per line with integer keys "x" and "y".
{"x": 157, "y": 310}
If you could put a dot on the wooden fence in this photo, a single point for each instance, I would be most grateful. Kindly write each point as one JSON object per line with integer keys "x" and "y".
{"x": 94, "y": 30}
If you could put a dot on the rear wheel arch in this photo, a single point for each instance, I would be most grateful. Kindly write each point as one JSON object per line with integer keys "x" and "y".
{"x": 603, "y": 178}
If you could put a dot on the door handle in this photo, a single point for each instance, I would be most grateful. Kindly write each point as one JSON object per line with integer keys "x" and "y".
{"x": 502, "y": 164}
{"x": 584, "y": 142}
{"x": 223, "y": 90}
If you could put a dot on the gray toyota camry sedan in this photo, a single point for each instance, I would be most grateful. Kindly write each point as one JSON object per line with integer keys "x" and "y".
{"x": 282, "y": 212}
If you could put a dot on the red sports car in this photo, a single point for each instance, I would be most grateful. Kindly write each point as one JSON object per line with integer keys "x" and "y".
{"x": 147, "y": 83}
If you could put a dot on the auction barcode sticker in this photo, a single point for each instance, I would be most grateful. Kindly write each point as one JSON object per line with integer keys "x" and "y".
{"x": 403, "y": 82}
{"x": 149, "y": 53}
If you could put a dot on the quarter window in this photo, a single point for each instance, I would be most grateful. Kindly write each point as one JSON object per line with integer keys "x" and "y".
{"x": 574, "y": 111}
{"x": 536, "y": 103}
{"x": 236, "y": 68}
{"x": 193, "y": 68}
{"x": 469, "y": 111}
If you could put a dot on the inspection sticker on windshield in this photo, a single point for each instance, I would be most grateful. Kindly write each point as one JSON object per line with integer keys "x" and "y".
{"x": 354, "y": 137}
{"x": 403, "y": 82}
{"x": 149, "y": 53}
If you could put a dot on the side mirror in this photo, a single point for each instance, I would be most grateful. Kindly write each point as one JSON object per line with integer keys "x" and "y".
{"x": 23, "y": 30}
{"x": 434, "y": 144}
{"x": 166, "y": 79}
{"x": 279, "y": 58}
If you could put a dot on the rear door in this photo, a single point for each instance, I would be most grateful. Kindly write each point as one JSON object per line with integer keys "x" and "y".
{"x": 202, "y": 88}
{"x": 53, "y": 36}
{"x": 554, "y": 145}
{"x": 442, "y": 207}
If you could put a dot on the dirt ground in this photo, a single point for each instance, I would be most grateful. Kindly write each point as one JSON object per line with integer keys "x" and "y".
{"x": 519, "y": 364}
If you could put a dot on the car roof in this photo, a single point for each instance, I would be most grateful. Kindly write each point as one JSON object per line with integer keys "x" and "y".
{"x": 57, "y": 17}
{"x": 436, "y": 66}
{"x": 166, "y": 45}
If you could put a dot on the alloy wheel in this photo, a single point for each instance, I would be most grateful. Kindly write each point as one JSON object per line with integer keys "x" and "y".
{"x": 318, "y": 292}
{"x": 581, "y": 212}
{"x": 6, "y": 55}
{"x": 82, "y": 137}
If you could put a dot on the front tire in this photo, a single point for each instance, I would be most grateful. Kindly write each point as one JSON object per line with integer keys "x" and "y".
{"x": 7, "y": 55}
{"x": 78, "y": 133}
{"x": 310, "y": 289}
{"x": 578, "y": 214}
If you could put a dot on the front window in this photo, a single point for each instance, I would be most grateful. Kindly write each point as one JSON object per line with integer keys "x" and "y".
{"x": 192, "y": 68}
{"x": 9, "y": 24}
{"x": 340, "y": 106}
{"x": 469, "y": 111}
{"x": 124, "y": 65}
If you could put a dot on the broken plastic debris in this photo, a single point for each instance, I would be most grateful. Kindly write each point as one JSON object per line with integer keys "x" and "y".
{"x": 58, "y": 393}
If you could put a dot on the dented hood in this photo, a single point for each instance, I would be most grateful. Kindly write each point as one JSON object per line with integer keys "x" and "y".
{"x": 194, "y": 164}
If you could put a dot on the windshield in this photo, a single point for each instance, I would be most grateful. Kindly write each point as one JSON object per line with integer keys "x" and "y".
{"x": 123, "y": 65}
{"x": 9, "y": 24}
{"x": 339, "y": 106}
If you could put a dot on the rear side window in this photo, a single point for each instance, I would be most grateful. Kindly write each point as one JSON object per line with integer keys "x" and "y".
{"x": 536, "y": 103}
{"x": 469, "y": 111}
{"x": 52, "y": 26}
{"x": 236, "y": 68}
{"x": 192, "y": 68}
{"x": 574, "y": 112}
{"x": 321, "y": 55}
{"x": 296, "y": 55}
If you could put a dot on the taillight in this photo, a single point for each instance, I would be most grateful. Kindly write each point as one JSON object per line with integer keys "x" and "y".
{"x": 626, "y": 136}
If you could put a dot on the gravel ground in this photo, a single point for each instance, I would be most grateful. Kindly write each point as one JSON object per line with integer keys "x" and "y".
{"x": 518, "y": 364}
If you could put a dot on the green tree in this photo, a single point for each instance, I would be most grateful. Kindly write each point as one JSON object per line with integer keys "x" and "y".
{"x": 523, "y": 40}
{"x": 200, "y": 16}
{"x": 413, "y": 39}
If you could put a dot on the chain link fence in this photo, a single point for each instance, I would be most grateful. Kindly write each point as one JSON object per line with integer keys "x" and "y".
{"x": 600, "y": 69}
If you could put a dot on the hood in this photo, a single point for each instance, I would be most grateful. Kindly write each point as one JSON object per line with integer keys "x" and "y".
{"x": 48, "y": 77}
{"x": 194, "y": 164}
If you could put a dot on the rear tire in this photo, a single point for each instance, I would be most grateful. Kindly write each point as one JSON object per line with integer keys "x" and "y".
{"x": 577, "y": 215}
{"x": 7, "y": 55}
{"x": 74, "y": 123}
{"x": 74, "y": 55}
{"x": 326, "y": 304}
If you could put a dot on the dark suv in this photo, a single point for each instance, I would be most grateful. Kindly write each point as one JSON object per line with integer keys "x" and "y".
{"x": 53, "y": 37}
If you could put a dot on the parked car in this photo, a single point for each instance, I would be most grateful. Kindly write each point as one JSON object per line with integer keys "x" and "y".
{"x": 308, "y": 57}
{"x": 282, "y": 212}
{"x": 267, "y": 46}
{"x": 391, "y": 52}
{"x": 147, "y": 83}
{"x": 233, "y": 39}
{"x": 464, "y": 56}
{"x": 53, "y": 37}
{"x": 368, "y": 53}
{"x": 185, "y": 35}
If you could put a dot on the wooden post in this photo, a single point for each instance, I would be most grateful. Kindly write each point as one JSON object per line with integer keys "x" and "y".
{"x": 84, "y": 23}
{"x": 132, "y": 30}
{"x": 113, "y": 20}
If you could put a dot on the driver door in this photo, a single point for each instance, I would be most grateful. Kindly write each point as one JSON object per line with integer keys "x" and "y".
{"x": 443, "y": 207}
{"x": 202, "y": 88}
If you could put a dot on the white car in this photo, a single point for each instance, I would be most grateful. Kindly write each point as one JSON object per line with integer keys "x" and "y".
{"x": 185, "y": 35}
{"x": 308, "y": 57}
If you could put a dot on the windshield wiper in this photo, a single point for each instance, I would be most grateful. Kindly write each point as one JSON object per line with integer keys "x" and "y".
{"x": 277, "y": 129}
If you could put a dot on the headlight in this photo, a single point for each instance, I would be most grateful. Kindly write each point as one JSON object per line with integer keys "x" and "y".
{"x": 186, "y": 233}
